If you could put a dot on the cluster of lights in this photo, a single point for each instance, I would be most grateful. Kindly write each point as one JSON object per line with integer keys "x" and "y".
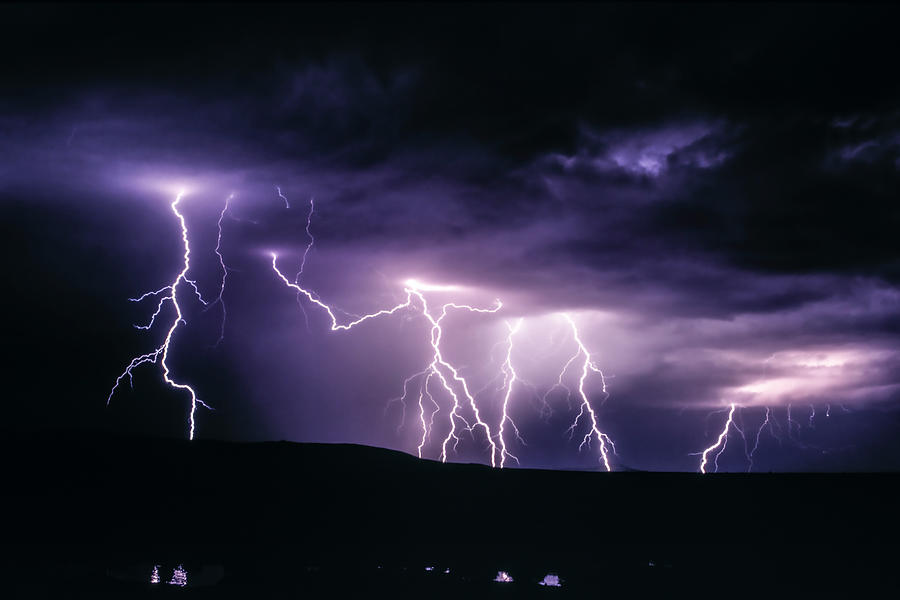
{"x": 179, "y": 576}
{"x": 503, "y": 577}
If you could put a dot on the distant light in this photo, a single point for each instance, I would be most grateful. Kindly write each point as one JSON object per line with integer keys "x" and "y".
{"x": 429, "y": 568}
{"x": 179, "y": 577}
{"x": 446, "y": 571}
{"x": 550, "y": 580}
{"x": 154, "y": 575}
{"x": 503, "y": 577}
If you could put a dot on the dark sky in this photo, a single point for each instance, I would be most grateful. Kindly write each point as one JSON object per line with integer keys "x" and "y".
{"x": 710, "y": 192}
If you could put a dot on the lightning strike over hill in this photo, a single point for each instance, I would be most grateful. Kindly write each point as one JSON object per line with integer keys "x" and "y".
{"x": 587, "y": 367}
{"x": 510, "y": 377}
{"x": 720, "y": 444}
{"x": 447, "y": 375}
{"x": 169, "y": 293}
{"x": 766, "y": 422}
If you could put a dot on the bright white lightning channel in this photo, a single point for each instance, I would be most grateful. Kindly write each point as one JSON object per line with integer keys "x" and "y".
{"x": 716, "y": 449}
{"x": 442, "y": 373}
{"x": 447, "y": 375}
{"x": 169, "y": 293}
{"x": 587, "y": 367}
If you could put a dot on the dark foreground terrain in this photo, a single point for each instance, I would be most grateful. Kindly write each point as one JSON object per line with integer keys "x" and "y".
{"x": 89, "y": 517}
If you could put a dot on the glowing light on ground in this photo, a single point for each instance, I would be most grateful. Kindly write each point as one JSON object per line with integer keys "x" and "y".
{"x": 179, "y": 576}
{"x": 550, "y": 580}
{"x": 503, "y": 577}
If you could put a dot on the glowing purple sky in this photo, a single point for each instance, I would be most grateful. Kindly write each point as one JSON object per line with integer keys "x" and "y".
{"x": 719, "y": 221}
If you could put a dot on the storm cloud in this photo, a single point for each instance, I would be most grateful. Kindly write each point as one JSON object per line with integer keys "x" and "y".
{"x": 711, "y": 192}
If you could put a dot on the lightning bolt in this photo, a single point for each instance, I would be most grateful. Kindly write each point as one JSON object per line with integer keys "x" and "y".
{"x": 759, "y": 433}
{"x": 447, "y": 373}
{"x": 509, "y": 374}
{"x": 442, "y": 373}
{"x": 219, "y": 299}
{"x": 282, "y": 196}
{"x": 587, "y": 367}
{"x": 720, "y": 444}
{"x": 735, "y": 414}
{"x": 166, "y": 294}
{"x": 312, "y": 240}
{"x": 439, "y": 368}
{"x": 335, "y": 326}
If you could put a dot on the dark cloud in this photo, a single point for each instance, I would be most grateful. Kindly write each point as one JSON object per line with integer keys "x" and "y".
{"x": 705, "y": 187}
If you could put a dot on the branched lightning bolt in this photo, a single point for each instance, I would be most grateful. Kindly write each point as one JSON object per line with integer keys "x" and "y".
{"x": 309, "y": 246}
{"x": 758, "y": 433}
{"x": 587, "y": 367}
{"x": 448, "y": 377}
{"x": 446, "y": 372}
{"x": 335, "y": 326}
{"x": 510, "y": 377}
{"x": 720, "y": 444}
{"x": 219, "y": 299}
{"x": 161, "y": 353}
{"x": 312, "y": 240}
{"x": 439, "y": 367}
{"x": 769, "y": 422}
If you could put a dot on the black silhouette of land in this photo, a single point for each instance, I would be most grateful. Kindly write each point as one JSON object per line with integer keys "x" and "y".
{"x": 88, "y": 515}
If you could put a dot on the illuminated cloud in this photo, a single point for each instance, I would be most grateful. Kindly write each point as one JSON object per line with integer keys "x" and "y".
{"x": 717, "y": 236}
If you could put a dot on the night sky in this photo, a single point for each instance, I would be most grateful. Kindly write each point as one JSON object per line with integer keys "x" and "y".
{"x": 710, "y": 192}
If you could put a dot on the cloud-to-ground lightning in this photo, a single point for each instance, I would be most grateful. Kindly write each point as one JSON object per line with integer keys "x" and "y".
{"x": 446, "y": 374}
{"x": 510, "y": 378}
{"x": 441, "y": 377}
{"x": 588, "y": 366}
{"x": 766, "y": 422}
{"x": 464, "y": 412}
{"x": 170, "y": 294}
{"x": 439, "y": 368}
{"x": 719, "y": 447}
{"x": 769, "y": 423}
